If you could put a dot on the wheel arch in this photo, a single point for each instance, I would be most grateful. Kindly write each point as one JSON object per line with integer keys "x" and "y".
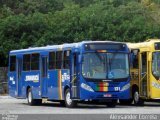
{"x": 27, "y": 88}
{"x": 65, "y": 88}
{"x": 134, "y": 87}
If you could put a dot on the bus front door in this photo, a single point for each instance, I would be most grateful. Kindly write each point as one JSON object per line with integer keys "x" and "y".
{"x": 143, "y": 74}
{"x": 74, "y": 81}
{"x": 44, "y": 75}
{"x": 19, "y": 80}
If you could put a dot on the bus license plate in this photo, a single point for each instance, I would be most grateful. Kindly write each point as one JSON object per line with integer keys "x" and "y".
{"x": 107, "y": 95}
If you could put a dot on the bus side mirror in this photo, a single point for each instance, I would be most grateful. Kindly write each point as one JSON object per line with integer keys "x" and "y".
{"x": 131, "y": 56}
{"x": 134, "y": 58}
{"x": 135, "y": 52}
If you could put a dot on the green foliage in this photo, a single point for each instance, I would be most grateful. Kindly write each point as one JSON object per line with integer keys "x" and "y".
{"x": 29, "y": 23}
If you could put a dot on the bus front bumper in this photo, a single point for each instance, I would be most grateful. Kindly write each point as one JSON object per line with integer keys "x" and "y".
{"x": 88, "y": 95}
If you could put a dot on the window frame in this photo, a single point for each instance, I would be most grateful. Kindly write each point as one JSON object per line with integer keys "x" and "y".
{"x": 24, "y": 62}
{"x": 37, "y": 61}
{"x": 52, "y": 61}
{"x": 59, "y": 61}
{"x": 10, "y": 64}
{"x": 66, "y": 59}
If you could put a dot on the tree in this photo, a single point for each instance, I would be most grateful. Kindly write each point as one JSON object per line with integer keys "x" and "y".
{"x": 29, "y": 23}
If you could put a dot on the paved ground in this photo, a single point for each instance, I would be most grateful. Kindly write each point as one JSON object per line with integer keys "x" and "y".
{"x": 18, "y": 106}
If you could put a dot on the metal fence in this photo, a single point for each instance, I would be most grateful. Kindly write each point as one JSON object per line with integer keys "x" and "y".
{"x": 3, "y": 80}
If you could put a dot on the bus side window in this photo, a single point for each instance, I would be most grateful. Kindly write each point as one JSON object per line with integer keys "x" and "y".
{"x": 58, "y": 59}
{"x": 52, "y": 60}
{"x": 66, "y": 61}
{"x": 26, "y": 62}
{"x": 35, "y": 61}
{"x": 12, "y": 63}
{"x": 144, "y": 62}
{"x": 135, "y": 58}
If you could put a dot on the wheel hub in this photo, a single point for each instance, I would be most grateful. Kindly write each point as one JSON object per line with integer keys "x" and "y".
{"x": 136, "y": 96}
{"x": 29, "y": 97}
{"x": 68, "y": 99}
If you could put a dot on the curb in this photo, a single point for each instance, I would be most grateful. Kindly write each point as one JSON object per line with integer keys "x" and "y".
{"x": 5, "y": 97}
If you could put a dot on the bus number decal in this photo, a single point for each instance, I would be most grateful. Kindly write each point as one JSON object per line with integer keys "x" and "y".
{"x": 65, "y": 76}
{"x": 117, "y": 88}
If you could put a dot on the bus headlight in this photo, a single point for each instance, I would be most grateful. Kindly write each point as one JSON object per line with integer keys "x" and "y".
{"x": 86, "y": 87}
{"x": 125, "y": 87}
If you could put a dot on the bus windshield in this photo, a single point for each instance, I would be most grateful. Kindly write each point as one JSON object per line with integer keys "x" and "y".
{"x": 105, "y": 65}
{"x": 156, "y": 64}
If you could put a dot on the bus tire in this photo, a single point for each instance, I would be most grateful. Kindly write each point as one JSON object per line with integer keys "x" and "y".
{"x": 30, "y": 99}
{"x": 68, "y": 101}
{"x": 112, "y": 104}
{"x": 136, "y": 99}
{"x": 62, "y": 103}
{"x": 38, "y": 101}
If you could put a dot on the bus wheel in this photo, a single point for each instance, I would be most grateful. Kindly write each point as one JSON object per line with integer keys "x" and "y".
{"x": 68, "y": 101}
{"x": 62, "y": 103}
{"x": 30, "y": 99}
{"x": 38, "y": 101}
{"x": 137, "y": 100}
{"x": 112, "y": 104}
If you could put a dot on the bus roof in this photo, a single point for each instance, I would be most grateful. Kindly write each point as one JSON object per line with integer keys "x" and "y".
{"x": 65, "y": 45}
{"x": 146, "y": 44}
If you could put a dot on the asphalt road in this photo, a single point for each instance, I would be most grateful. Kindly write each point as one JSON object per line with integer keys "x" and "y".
{"x": 20, "y": 106}
{"x": 14, "y": 106}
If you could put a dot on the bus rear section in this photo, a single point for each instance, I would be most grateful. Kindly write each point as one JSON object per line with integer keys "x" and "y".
{"x": 71, "y": 73}
{"x": 145, "y": 71}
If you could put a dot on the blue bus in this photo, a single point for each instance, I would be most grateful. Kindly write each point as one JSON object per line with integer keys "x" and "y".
{"x": 93, "y": 71}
